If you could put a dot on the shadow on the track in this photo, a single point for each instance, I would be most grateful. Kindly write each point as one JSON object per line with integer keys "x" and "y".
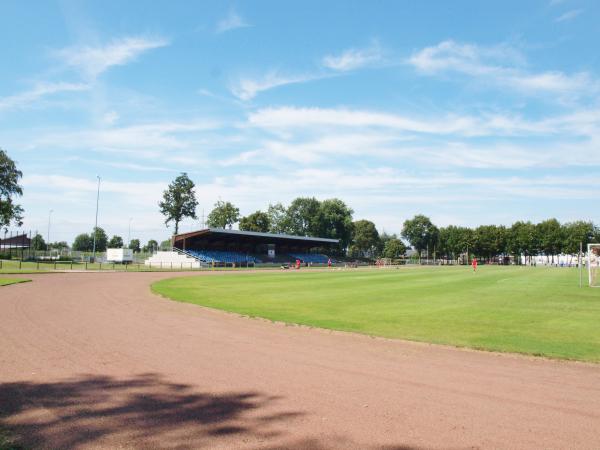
{"x": 142, "y": 411}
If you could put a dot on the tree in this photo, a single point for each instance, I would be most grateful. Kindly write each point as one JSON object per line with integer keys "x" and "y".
{"x": 523, "y": 239}
{"x": 179, "y": 201}
{"x": 489, "y": 241}
{"x": 115, "y": 242}
{"x": 150, "y": 246}
{"x": 334, "y": 221}
{"x": 9, "y": 188}
{"x": 257, "y": 221}
{"x": 551, "y": 239}
{"x": 393, "y": 248}
{"x": 166, "y": 244}
{"x": 223, "y": 214}
{"x": 134, "y": 245}
{"x": 101, "y": 239}
{"x": 365, "y": 238}
{"x": 454, "y": 241}
{"x": 38, "y": 243}
{"x": 578, "y": 232}
{"x": 82, "y": 243}
{"x": 61, "y": 245}
{"x": 420, "y": 232}
{"x": 302, "y": 216}
{"x": 278, "y": 218}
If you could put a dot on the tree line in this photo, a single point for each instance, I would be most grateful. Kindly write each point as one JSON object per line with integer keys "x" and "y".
{"x": 332, "y": 218}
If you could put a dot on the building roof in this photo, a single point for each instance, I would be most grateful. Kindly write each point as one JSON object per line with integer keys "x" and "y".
{"x": 253, "y": 234}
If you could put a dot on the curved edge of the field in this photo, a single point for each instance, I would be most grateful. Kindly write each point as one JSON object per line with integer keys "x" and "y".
{"x": 308, "y": 326}
{"x": 10, "y": 281}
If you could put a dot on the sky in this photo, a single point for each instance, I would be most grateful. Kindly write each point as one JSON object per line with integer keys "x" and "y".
{"x": 469, "y": 112}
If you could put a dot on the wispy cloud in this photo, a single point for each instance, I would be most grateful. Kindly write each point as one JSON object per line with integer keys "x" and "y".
{"x": 94, "y": 60}
{"x": 247, "y": 88}
{"x": 500, "y": 65}
{"x": 40, "y": 90}
{"x": 569, "y": 15}
{"x": 231, "y": 22}
{"x": 353, "y": 58}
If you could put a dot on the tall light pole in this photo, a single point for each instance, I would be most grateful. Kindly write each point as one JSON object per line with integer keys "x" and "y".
{"x": 48, "y": 234}
{"x": 129, "y": 233}
{"x": 96, "y": 223}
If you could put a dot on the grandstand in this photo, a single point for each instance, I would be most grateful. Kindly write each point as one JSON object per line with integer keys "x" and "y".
{"x": 221, "y": 247}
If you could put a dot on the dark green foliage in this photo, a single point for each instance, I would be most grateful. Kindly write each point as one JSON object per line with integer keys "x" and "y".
{"x": 179, "y": 201}
{"x": 420, "y": 232}
{"x": 9, "y": 188}
{"x": 258, "y": 221}
{"x": 115, "y": 242}
{"x": 224, "y": 214}
{"x": 38, "y": 243}
{"x": 135, "y": 245}
{"x": 82, "y": 243}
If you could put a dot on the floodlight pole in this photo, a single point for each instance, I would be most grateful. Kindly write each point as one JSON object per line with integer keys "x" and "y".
{"x": 129, "y": 233}
{"x": 96, "y": 223}
{"x": 48, "y": 234}
{"x": 580, "y": 264}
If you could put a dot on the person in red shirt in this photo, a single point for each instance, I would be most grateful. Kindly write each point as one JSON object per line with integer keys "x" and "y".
{"x": 297, "y": 264}
{"x": 329, "y": 262}
{"x": 474, "y": 264}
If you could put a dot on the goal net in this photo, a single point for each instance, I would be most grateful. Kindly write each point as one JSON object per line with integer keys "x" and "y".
{"x": 593, "y": 263}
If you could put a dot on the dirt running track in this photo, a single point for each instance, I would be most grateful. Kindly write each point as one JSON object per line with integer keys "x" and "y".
{"x": 97, "y": 361}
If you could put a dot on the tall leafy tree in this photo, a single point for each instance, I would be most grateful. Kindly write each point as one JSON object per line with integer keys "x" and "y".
{"x": 115, "y": 242}
{"x": 278, "y": 218}
{"x": 151, "y": 246}
{"x": 551, "y": 239}
{"x": 523, "y": 239}
{"x": 9, "y": 189}
{"x": 179, "y": 201}
{"x": 303, "y": 216}
{"x": 223, "y": 214}
{"x": 578, "y": 232}
{"x": 334, "y": 221}
{"x": 38, "y": 243}
{"x": 365, "y": 238}
{"x": 101, "y": 239}
{"x": 134, "y": 245}
{"x": 257, "y": 221}
{"x": 393, "y": 248}
{"x": 454, "y": 241}
{"x": 420, "y": 232}
{"x": 82, "y": 243}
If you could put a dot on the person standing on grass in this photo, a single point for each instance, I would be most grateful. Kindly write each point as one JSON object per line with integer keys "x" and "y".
{"x": 297, "y": 264}
{"x": 329, "y": 263}
{"x": 474, "y": 264}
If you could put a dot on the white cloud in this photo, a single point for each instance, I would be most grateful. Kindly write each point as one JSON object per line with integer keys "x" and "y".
{"x": 318, "y": 118}
{"x": 569, "y": 15}
{"x": 150, "y": 139}
{"x": 231, "y": 22}
{"x": 353, "y": 59}
{"x": 500, "y": 65}
{"x": 247, "y": 88}
{"x": 94, "y": 60}
{"x": 110, "y": 117}
{"x": 40, "y": 90}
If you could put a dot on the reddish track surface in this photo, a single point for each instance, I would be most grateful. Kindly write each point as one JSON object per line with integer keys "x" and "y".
{"x": 97, "y": 361}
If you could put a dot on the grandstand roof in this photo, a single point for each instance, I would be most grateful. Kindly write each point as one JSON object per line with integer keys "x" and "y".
{"x": 224, "y": 234}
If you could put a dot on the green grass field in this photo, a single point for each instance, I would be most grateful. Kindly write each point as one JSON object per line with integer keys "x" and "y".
{"x": 537, "y": 311}
{"x": 7, "y": 281}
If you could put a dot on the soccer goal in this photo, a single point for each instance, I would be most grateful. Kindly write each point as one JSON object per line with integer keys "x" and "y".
{"x": 593, "y": 263}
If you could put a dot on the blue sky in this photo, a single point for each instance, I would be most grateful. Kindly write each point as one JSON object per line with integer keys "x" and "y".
{"x": 469, "y": 112}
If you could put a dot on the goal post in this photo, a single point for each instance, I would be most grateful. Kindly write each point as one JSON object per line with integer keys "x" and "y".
{"x": 593, "y": 264}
